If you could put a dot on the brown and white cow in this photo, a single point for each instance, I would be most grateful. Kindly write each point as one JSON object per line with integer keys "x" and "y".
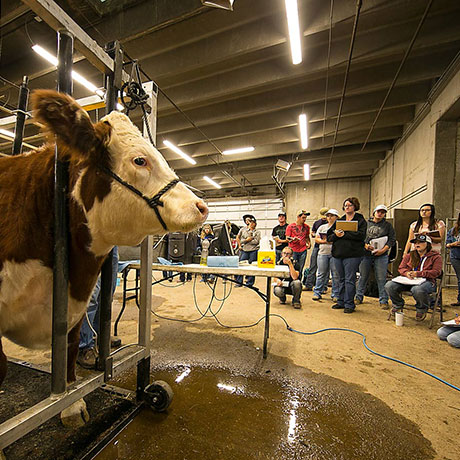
{"x": 102, "y": 213}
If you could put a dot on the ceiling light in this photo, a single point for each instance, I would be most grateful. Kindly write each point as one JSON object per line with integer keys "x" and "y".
{"x": 75, "y": 75}
{"x": 223, "y": 4}
{"x": 292, "y": 15}
{"x": 171, "y": 146}
{"x": 210, "y": 181}
{"x": 283, "y": 165}
{"x": 303, "y": 131}
{"x": 6, "y": 133}
{"x": 240, "y": 150}
{"x": 306, "y": 171}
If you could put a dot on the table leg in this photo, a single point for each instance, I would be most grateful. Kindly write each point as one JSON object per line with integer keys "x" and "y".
{"x": 267, "y": 316}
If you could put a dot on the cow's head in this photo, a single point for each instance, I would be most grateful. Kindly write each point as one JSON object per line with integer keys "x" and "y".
{"x": 116, "y": 214}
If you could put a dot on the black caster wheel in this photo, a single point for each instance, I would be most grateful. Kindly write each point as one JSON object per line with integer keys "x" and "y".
{"x": 158, "y": 395}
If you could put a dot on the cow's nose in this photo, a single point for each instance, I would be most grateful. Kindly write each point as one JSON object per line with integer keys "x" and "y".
{"x": 202, "y": 208}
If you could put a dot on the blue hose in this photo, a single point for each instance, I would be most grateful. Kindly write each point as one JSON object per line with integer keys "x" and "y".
{"x": 374, "y": 352}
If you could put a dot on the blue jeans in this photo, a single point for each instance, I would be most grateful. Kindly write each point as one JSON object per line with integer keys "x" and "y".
{"x": 451, "y": 334}
{"x": 294, "y": 289}
{"x": 300, "y": 257}
{"x": 456, "y": 264}
{"x": 252, "y": 257}
{"x": 346, "y": 270}
{"x": 421, "y": 294}
{"x": 380, "y": 265}
{"x": 311, "y": 278}
{"x": 86, "y": 334}
{"x": 326, "y": 267}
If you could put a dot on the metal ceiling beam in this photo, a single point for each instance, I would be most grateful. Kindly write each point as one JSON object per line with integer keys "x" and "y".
{"x": 58, "y": 19}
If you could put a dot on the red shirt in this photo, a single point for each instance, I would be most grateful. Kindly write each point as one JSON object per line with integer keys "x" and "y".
{"x": 300, "y": 231}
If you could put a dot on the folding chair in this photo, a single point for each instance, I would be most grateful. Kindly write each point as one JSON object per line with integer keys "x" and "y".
{"x": 436, "y": 303}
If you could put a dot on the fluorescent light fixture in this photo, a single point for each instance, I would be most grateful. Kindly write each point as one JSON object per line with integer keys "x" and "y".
{"x": 240, "y": 150}
{"x": 303, "y": 131}
{"x": 6, "y": 133}
{"x": 75, "y": 75}
{"x": 210, "y": 181}
{"x": 171, "y": 146}
{"x": 292, "y": 15}
{"x": 306, "y": 171}
{"x": 224, "y": 4}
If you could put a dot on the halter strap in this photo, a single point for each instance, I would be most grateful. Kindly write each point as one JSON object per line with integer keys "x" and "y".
{"x": 153, "y": 202}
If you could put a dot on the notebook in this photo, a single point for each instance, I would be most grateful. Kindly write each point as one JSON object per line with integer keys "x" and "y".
{"x": 347, "y": 225}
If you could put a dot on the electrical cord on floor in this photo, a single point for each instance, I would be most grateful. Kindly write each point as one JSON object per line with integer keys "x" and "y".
{"x": 290, "y": 329}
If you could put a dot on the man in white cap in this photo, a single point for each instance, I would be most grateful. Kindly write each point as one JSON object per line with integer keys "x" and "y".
{"x": 380, "y": 238}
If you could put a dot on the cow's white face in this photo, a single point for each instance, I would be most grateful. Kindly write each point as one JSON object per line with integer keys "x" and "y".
{"x": 122, "y": 217}
{"x": 116, "y": 215}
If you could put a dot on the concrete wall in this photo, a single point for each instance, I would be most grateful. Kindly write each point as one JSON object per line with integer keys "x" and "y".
{"x": 411, "y": 164}
{"x": 313, "y": 195}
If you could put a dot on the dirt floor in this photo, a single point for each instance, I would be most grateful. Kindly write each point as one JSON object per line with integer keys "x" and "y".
{"x": 431, "y": 405}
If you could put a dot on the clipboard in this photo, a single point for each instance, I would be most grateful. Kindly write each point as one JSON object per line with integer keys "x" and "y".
{"x": 347, "y": 225}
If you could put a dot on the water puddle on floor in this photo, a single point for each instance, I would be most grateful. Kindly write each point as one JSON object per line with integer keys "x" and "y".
{"x": 218, "y": 415}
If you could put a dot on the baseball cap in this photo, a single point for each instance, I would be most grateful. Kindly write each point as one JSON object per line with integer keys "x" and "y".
{"x": 380, "y": 207}
{"x": 422, "y": 238}
{"x": 246, "y": 216}
{"x": 323, "y": 211}
{"x": 332, "y": 211}
{"x": 282, "y": 213}
{"x": 302, "y": 211}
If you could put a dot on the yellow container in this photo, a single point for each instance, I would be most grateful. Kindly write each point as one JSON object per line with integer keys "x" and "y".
{"x": 266, "y": 259}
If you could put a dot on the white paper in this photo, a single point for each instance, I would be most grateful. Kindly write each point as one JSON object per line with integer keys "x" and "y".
{"x": 450, "y": 323}
{"x": 408, "y": 281}
{"x": 378, "y": 243}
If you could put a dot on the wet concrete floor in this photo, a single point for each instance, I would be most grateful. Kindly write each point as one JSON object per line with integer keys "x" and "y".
{"x": 218, "y": 414}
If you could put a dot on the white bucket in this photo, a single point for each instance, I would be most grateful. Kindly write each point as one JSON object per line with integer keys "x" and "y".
{"x": 399, "y": 318}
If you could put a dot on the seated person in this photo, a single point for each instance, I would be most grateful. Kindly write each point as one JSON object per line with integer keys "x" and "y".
{"x": 422, "y": 262}
{"x": 451, "y": 333}
{"x": 295, "y": 285}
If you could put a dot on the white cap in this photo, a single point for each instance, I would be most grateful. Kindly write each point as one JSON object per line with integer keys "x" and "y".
{"x": 380, "y": 207}
{"x": 333, "y": 211}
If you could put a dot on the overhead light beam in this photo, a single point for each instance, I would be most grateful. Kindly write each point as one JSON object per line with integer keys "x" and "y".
{"x": 177, "y": 150}
{"x": 210, "y": 181}
{"x": 240, "y": 150}
{"x": 303, "y": 131}
{"x": 292, "y": 15}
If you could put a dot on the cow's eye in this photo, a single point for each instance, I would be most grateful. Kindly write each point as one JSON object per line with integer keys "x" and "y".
{"x": 140, "y": 161}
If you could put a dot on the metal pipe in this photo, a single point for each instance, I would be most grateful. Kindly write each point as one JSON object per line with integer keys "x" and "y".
{"x": 345, "y": 81}
{"x": 61, "y": 239}
{"x": 105, "y": 307}
{"x": 21, "y": 116}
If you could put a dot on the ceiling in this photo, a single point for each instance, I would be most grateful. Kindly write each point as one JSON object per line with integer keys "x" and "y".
{"x": 231, "y": 73}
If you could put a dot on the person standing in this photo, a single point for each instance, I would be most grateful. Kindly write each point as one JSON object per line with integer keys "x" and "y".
{"x": 325, "y": 265}
{"x": 279, "y": 235}
{"x": 347, "y": 251}
{"x": 426, "y": 223}
{"x": 292, "y": 285}
{"x": 380, "y": 238}
{"x": 87, "y": 350}
{"x": 310, "y": 280}
{"x": 453, "y": 243}
{"x": 248, "y": 242}
{"x": 298, "y": 236}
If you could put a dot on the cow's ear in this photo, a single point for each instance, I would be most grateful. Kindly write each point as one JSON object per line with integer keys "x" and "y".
{"x": 64, "y": 117}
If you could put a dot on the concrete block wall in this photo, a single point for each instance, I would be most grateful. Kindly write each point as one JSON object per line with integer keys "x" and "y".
{"x": 411, "y": 164}
{"x": 313, "y": 195}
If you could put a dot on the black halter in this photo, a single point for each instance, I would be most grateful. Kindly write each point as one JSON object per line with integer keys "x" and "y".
{"x": 153, "y": 202}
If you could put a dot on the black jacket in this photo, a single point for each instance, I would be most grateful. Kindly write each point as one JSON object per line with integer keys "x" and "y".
{"x": 352, "y": 243}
